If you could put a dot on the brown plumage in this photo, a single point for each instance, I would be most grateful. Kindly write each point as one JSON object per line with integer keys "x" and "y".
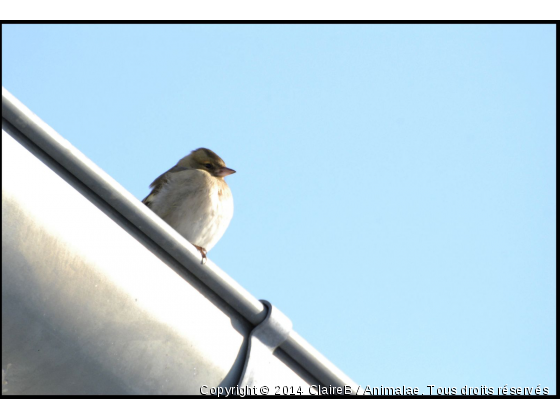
{"x": 194, "y": 199}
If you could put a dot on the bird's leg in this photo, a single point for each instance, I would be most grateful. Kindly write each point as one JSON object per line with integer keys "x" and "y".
{"x": 202, "y": 252}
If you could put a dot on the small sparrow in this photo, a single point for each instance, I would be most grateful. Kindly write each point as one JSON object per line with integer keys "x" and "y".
{"x": 194, "y": 199}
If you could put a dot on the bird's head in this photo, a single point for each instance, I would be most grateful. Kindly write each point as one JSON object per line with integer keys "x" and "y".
{"x": 206, "y": 160}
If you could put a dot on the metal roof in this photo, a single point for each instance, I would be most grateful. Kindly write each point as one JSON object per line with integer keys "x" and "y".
{"x": 115, "y": 299}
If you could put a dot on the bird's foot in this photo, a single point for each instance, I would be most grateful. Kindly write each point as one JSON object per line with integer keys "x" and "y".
{"x": 202, "y": 252}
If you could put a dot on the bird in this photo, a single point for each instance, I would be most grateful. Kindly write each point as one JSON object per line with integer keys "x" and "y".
{"x": 194, "y": 198}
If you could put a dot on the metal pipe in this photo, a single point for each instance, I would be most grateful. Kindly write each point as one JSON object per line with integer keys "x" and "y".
{"x": 113, "y": 195}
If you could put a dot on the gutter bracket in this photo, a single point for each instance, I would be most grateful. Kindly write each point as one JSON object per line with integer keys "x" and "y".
{"x": 264, "y": 339}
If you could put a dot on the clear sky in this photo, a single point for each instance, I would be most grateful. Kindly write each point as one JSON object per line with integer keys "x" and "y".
{"x": 395, "y": 192}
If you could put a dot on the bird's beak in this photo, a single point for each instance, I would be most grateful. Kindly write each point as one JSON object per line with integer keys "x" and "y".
{"x": 225, "y": 172}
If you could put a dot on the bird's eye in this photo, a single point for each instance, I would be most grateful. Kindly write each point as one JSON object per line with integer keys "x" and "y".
{"x": 208, "y": 165}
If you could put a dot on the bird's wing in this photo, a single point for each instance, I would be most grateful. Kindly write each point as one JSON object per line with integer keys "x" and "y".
{"x": 159, "y": 182}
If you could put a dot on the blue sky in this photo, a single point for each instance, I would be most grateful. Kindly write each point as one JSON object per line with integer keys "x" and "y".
{"x": 395, "y": 192}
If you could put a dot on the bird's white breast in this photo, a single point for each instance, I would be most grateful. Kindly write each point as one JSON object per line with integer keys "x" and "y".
{"x": 198, "y": 205}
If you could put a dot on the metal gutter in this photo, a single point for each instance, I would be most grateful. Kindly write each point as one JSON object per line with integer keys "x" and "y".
{"x": 108, "y": 191}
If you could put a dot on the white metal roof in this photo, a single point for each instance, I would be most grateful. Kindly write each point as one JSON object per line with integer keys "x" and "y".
{"x": 100, "y": 296}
